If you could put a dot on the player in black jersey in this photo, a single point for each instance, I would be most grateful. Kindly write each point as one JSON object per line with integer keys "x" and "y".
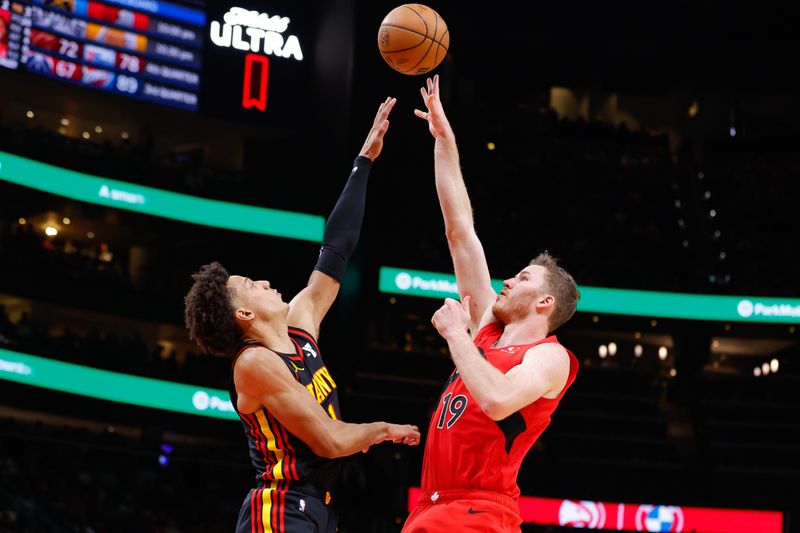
{"x": 284, "y": 395}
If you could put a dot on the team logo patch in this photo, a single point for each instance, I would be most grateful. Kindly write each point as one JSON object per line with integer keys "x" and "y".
{"x": 659, "y": 518}
{"x": 584, "y": 513}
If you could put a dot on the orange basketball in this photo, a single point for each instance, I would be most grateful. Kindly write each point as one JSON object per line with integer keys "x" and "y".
{"x": 413, "y": 39}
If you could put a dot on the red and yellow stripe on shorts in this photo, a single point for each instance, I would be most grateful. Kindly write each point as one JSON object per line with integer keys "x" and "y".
{"x": 266, "y": 509}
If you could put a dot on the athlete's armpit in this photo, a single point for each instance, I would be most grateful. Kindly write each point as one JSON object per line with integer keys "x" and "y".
{"x": 309, "y": 306}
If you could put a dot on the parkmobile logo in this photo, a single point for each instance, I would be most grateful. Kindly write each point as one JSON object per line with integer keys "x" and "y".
{"x": 747, "y": 308}
{"x": 405, "y": 281}
{"x": 659, "y": 518}
{"x": 202, "y": 401}
{"x": 251, "y": 31}
{"x": 591, "y": 515}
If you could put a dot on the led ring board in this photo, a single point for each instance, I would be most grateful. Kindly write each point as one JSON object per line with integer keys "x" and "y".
{"x": 763, "y": 309}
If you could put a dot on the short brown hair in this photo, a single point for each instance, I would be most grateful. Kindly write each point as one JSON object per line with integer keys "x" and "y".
{"x": 209, "y": 312}
{"x": 560, "y": 284}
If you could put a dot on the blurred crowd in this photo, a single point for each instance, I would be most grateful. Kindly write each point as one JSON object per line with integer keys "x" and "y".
{"x": 131, "y": 159}
{"x": 119, "y": 352}
{"x": 58, "y": 479}
{"x": 621, "y": 208}
{"x": 61, "y": 479}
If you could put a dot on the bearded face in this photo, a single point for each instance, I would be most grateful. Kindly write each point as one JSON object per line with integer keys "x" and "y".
{"x": 520, "y": 294}
{"x": 515, "y": 307}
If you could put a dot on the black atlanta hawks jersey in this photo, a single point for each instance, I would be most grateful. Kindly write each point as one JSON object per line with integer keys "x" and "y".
{"x": 280, "y": 458}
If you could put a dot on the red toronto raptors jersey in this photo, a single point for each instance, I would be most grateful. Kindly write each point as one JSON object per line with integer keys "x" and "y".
{"x": 465, "y": 449}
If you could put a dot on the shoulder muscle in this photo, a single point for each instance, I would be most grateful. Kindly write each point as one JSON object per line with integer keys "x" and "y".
{"x": 260, "y": 371}
{"x": 550, "y": 362}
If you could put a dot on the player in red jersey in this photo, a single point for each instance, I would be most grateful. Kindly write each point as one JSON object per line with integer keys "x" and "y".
{"x": 510, "y": 371}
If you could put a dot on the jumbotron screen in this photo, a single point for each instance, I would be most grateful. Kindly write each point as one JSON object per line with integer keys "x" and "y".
{"x": 147, "y": 49}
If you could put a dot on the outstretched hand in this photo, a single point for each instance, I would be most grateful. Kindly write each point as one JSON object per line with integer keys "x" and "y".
{"x": 399, "y": 434}
{"x": 403, "y": 433}
{"x": 374, "y": 142}
{"x": 437, "y": 120}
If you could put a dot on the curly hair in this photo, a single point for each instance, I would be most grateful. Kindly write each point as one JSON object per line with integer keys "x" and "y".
{"x": 209, "y": 312}
{"x": 560, "y": 284}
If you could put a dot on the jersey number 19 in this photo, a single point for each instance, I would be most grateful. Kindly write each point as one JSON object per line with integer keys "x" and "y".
{"x": 453, "y": 405}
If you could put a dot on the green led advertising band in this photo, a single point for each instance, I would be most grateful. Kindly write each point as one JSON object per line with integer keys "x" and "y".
{"x": 618, "y": 301}
{"x": 150, "y": 201}
{"x": 115, "y": 387}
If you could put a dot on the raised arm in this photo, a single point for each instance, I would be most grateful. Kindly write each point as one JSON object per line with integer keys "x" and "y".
{"x": 469, "y": 260}
{"x": 261, "y": 376}
{"x": 309, "y": 307}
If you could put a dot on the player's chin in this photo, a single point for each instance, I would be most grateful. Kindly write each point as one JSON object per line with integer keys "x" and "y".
{"x": 497, "y": 307}
{"x": 499, "y": 310}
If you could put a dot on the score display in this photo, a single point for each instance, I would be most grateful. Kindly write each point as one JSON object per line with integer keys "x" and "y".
{"x": 259, "y": 61}
{"x": 146, "y": 49}
{"x": 238, "y": 60}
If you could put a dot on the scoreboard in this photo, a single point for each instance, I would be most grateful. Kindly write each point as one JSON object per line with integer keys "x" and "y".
{"x": 245, "y": 60}
{"x": 146, "y": 49}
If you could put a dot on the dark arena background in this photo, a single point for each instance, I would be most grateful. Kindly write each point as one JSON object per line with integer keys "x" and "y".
{"x": 651, "y": 146}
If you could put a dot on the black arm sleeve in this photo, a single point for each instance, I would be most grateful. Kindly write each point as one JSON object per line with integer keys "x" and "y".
{"x": 344, "y": 223}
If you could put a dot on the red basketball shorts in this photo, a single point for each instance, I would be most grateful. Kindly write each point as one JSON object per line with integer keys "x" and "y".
{"x": 468, "y": 511}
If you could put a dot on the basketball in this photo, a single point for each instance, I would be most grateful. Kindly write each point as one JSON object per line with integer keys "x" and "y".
{"x": 413, "y": 39}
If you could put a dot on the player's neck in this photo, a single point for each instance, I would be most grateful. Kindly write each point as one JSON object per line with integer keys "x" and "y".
{"x": 525, "y": 331}
{"x": 274, "y": 334}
